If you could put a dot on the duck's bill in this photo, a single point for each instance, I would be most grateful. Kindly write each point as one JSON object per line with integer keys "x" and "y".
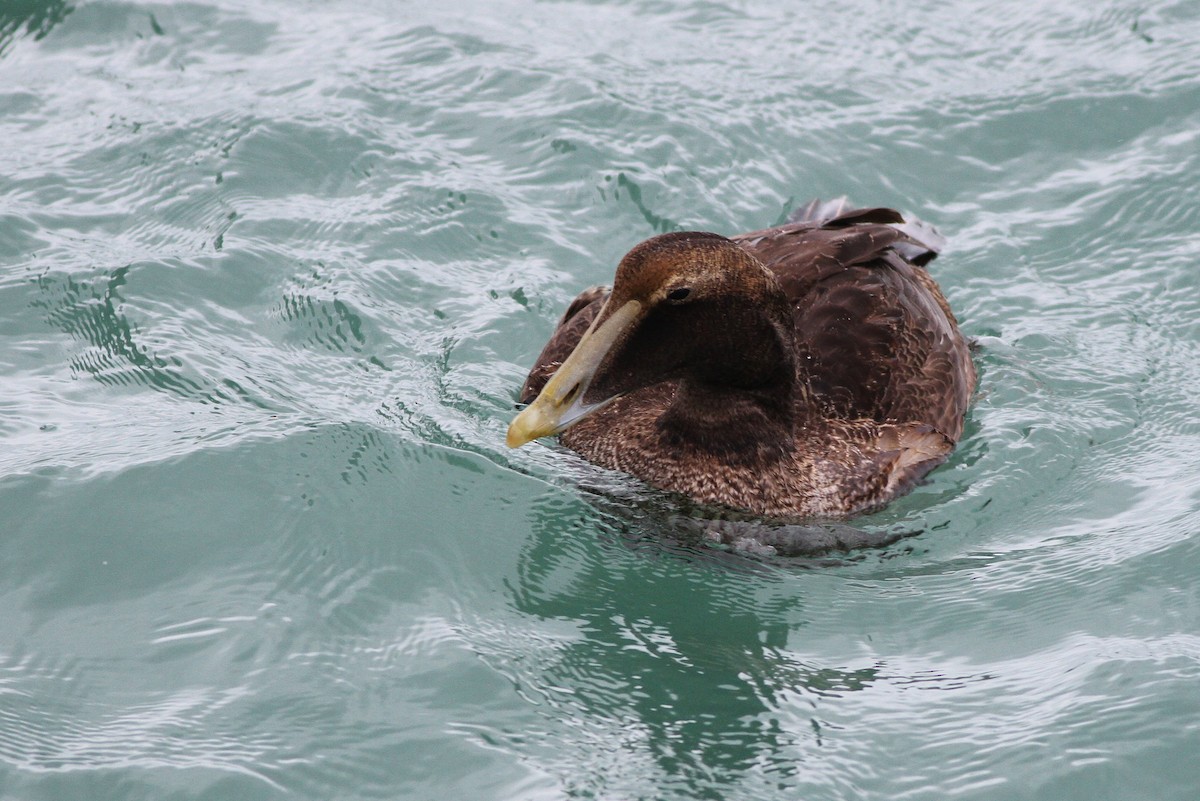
{"x": 560, "y": 403}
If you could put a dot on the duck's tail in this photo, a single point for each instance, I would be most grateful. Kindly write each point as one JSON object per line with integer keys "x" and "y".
{"x": 926, "y": 242}
{"x": 818, "y": 211}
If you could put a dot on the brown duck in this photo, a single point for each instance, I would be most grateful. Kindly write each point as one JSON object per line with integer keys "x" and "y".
{"x": 808, "y": 370}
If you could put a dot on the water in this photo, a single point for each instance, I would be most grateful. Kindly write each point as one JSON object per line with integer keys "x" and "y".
{"x": 271, "y": 273}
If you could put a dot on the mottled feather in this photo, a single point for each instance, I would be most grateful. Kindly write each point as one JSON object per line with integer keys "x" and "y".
{"x": 883, "y": 376}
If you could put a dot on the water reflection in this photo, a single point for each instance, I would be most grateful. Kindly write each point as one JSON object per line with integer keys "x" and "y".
{"x": 683, "y": 660}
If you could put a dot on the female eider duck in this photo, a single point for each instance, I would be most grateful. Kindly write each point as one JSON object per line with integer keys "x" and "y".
{"x": 808, "y": 370}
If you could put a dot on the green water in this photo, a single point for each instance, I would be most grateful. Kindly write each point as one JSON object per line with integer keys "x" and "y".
{"x": 272, "y": 271}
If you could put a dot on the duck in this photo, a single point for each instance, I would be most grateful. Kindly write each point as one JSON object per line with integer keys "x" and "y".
{"x": 812, "y": 370}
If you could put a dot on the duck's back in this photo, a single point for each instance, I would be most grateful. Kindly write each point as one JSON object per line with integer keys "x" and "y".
{"x": 875, "y": 338}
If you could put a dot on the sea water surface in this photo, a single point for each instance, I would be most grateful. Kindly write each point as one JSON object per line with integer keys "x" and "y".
{"x": 271, "y": 273}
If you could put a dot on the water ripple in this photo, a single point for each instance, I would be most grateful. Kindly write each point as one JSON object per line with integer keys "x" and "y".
{"x": 270, "y": 275}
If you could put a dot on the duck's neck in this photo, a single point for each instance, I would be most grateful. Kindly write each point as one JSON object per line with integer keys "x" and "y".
{"x": 750, "y": 420}
{"x": 738, "y": 403}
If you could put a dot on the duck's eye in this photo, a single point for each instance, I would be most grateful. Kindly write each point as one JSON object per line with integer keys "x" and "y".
{"x": 679, "y": 294}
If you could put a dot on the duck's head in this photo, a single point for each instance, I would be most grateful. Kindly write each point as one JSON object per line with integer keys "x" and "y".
{"x": 686, "y": 306}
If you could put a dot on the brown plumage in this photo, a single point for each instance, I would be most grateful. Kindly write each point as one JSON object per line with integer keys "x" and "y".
{"x": 812, "y": 369}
